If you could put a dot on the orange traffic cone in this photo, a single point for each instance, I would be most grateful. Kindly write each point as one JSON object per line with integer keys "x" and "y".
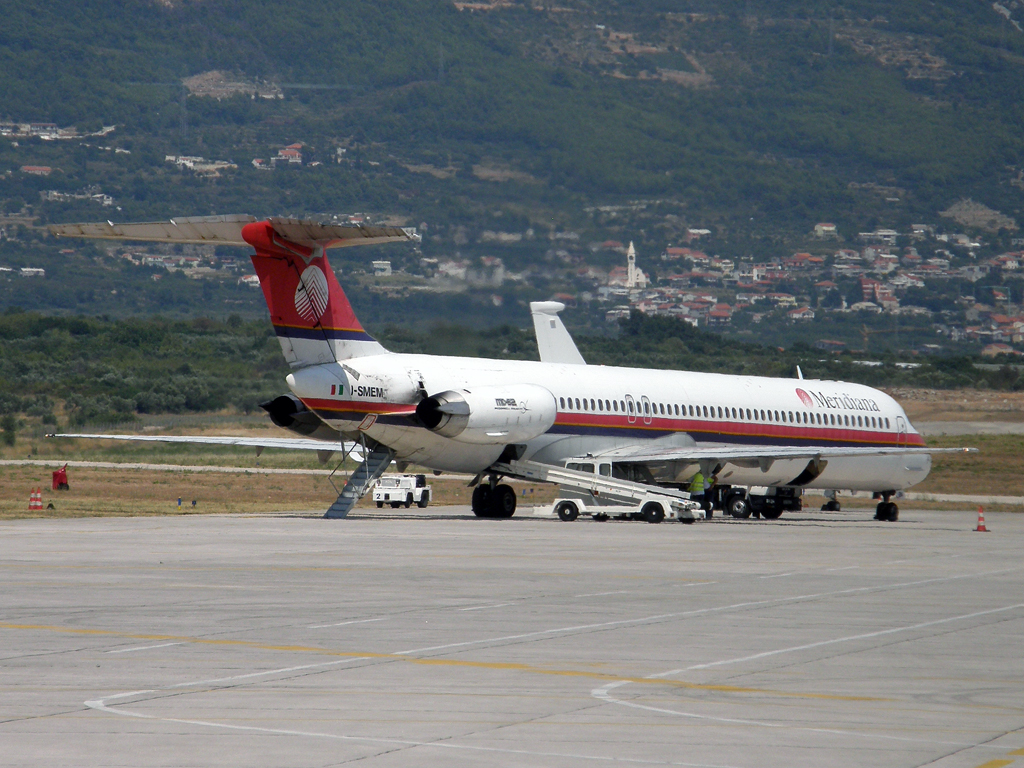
{"x": 35, "y": 500}
{"x": 981, "y": 521}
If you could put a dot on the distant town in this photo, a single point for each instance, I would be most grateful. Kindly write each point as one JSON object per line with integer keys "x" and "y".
{"x": 926, "y": 273}
{"x": 702, "y": 289}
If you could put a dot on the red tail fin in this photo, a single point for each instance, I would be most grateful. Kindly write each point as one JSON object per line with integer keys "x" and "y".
{"x": 311, "y": 314}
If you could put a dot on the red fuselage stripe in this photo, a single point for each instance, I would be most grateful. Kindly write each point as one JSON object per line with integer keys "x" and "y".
{"x": 659, "y": 424}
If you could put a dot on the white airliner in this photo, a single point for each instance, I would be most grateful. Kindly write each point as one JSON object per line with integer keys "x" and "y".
{"x": 766, "y": 439}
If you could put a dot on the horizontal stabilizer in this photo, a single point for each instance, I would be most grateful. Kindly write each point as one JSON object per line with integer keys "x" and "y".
{"x": 227, "y": 230}
{"x": 309, "y": 232}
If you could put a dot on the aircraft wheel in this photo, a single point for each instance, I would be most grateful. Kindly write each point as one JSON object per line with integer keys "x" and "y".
{"x": 653, "y": 512}
{"x": 567, "y": 511}
{"x": 771, "y": 514}
{"x": 503, "y": 501}
{"x": 738, "y": 506}
{"x": 830, "y": 506}
{"x": 600, "y": 517}
{"x": 424, "y": 500}
{"x": 396, "y": 504}
{"x": 887, "y": 512}
{"x": 380, "y": 504}
{"x": 482, "y": 501}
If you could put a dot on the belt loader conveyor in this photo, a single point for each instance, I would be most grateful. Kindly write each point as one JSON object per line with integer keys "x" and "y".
{"x": 611, "y": 496}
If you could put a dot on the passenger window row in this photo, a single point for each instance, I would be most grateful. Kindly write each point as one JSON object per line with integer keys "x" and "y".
{"x": 712, "y": 412}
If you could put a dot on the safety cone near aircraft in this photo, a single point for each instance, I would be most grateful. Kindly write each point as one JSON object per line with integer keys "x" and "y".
{"x": 626, "y": 432}
{"x": 981, "y": 521}
{"x": 35, "y": 499}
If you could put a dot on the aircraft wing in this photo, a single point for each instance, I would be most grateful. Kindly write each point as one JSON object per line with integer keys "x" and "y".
{"x": 289, "y": 443}
{"x": 754, "y": 455}
{"x": 227, "y": 230}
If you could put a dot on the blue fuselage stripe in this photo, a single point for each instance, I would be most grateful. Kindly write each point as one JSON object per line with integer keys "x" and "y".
{"x": 319, "y": 334}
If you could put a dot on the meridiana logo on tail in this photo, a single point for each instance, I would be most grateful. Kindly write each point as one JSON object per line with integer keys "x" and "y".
{"x": 311, "y": 294}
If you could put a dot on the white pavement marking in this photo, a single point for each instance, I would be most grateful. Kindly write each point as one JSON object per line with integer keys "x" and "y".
{"x": 535, "y": 634}
{"x": 144, "y": 647}
{"x": 602, "y": 594}
{"x": 484, "y": 607}
{"x": 345, "y": 623}
{"x": 603, "y": 694}
{"x": 851, "y": 638}
{"x": 701, "y": 611}
{"x": 101, "y": 705}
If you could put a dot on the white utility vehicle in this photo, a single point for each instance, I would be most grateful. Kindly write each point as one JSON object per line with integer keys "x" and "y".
{"x": 397, "y": 490}
{"x": 654, "y": 509}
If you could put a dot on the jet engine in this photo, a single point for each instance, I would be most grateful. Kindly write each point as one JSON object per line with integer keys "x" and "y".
{"x": 490, "y": 415}
{"x": 289, "y": 412}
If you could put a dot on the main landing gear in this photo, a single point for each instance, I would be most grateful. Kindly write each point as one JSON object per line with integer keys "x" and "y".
{"x": 887, "y": 510}
{"x": 496, "y": 501}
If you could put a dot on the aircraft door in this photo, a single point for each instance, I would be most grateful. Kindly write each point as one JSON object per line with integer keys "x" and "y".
{"x": 630, "y": 409}
{"x": 646, "y": 409}
{"x": 901, "y": 431}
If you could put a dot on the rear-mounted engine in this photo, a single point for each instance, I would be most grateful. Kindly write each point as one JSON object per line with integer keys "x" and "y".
{"x": 490, "y": 415}
{"x": 289, "y": 412}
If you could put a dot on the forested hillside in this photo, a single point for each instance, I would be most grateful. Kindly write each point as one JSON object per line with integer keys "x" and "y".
{"x": 754, "y": 114}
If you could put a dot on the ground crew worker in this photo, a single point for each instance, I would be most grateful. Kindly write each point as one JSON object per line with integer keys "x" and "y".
{"x": 709, "y": 497}
{"x": 696, "y": 488}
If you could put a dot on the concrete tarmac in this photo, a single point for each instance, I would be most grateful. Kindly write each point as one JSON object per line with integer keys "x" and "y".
{"x": 436, "y": 639}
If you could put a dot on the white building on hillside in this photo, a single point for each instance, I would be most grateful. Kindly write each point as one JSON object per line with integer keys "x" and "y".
{"x": 635, "y": 278}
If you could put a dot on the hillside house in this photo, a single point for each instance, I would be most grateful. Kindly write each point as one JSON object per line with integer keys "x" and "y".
{"x": 291, "y": 154}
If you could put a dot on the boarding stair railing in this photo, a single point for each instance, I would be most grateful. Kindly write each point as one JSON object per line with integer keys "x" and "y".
{"x": 375, "y": 463}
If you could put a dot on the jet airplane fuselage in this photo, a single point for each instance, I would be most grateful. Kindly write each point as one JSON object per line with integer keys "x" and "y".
{"x": 561, "y": 411}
